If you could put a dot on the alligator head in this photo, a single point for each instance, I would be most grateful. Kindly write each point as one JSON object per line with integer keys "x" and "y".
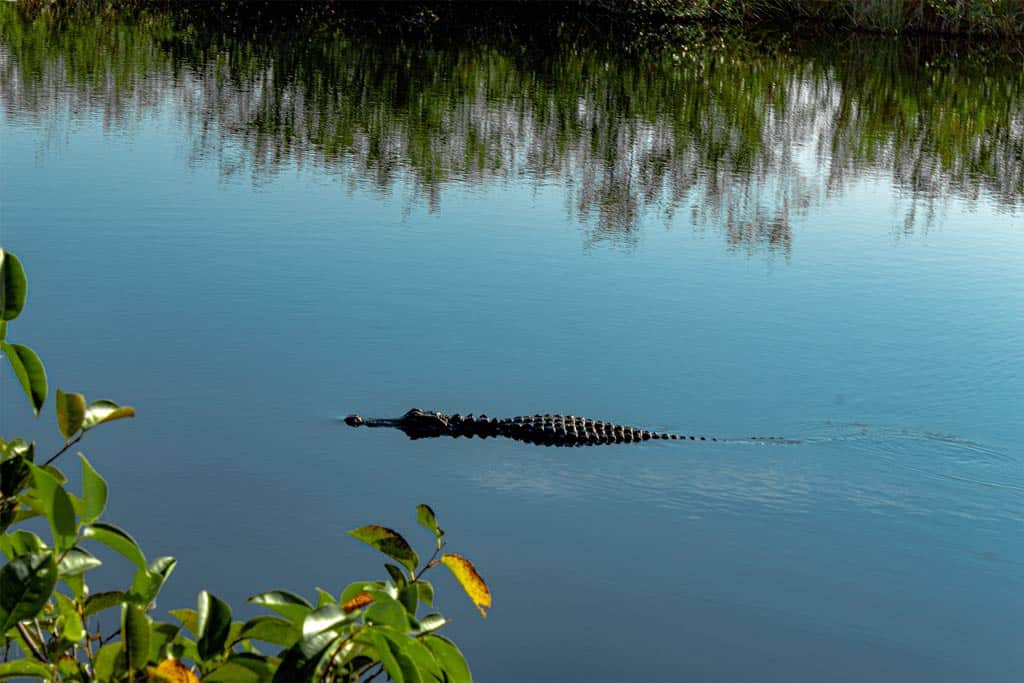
{"x": 416, "y": 423}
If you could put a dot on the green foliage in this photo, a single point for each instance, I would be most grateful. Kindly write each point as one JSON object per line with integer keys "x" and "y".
{"x": 48, "y": 614}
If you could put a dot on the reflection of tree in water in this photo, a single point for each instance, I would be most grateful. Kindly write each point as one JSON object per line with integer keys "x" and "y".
{"x": 731, "y": 133}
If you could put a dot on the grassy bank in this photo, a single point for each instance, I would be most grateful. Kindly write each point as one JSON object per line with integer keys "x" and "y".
{"x": 951, "y": 17}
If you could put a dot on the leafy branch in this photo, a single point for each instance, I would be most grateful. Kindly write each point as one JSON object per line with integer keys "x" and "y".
{"x": 371, "y": 629}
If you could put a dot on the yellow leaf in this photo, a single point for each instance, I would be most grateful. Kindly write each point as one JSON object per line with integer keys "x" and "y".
{"x": 170, "y": 671}
{"x": 361, "y": 600}
{"x": 470, "y": 580}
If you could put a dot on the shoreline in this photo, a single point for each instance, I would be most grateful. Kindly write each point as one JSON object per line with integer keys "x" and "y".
{"x": 984, "y": 20}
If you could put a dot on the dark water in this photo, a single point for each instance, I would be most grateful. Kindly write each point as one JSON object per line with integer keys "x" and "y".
{"x": 249, "y": 232}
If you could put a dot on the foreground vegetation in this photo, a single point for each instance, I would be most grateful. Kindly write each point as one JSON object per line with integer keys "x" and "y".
{"x": 50, "y": 616}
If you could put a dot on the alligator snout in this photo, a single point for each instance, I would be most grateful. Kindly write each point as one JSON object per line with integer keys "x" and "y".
{"x": 354, "y": 420}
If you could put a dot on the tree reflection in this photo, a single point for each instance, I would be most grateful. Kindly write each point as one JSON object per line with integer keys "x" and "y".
{"x": 739, "y": 134}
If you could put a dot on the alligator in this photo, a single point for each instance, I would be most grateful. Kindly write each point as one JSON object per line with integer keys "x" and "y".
{"x": 542, "y": 430}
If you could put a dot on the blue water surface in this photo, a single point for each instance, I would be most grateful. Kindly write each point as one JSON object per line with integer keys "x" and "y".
{"x": 243, "y": 315}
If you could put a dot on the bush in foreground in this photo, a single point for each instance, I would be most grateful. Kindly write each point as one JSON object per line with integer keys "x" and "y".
{"x": 49, "y": 615}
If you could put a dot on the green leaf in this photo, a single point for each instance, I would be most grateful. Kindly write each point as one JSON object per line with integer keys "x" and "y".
{"x": 322, "y": 619}
{"x": 30, "y": 372}
{"x": 424, "y": 663}
{"x": 214, "y": 625}
{"x": 3, "y": 330}
{"x": 290, "y": 606}
{"x": 94, "y": 492}
{"x": 385, "y": 652}
{"x": 397, "y": 576}
{"x": 449, "y": 657}
{"x": 13, "y": 286}
{"x": 110, "y": 662}
{"x": 19, "y": 448}
{"x": 425, "y": 516}
{"x": 426, "y": 592}
{"x": 149, "y": 581}
{"x": 55, "y": 473}
{"x": 270, "y": 630}
{"x": 33, "y": 502}
{"x": 389, "y": 542}
{"x": 410, "y": 674}
{"x": 69, "y": 669}
{"x": 185, "y": 648}
{"x": 409, "y": 597}
{"x": 189, "y": 618}
{"x": 242, "y": 668}
{"x": 24, "y": 668}
{"x": 135, "y": 636}
{"x": 26, "y": 583}
{"x": 70, "y": 413}
{"x": 22, "y": 514}
{"x": 324, "y": 598}
{"x": 60, "y": 513}
{"x": 470, "y": 580}
{"x": 19, "y": 543}
{"x": 388, "y": 612}
{"x": 301, "y": 660}
{"x": 161, "y": 635}
{"x": 97, "y": 602}
{"x": 72, "y": 629}
{"x": 77, "y": 561}
{"x": 102, "y": 411}
{"x": 233, "y": 632}
{"x": 117, "y": 540}
{"x": 76, "y": 583}
{"x": 14, "y": 475}
{"x": 432, "y": 622}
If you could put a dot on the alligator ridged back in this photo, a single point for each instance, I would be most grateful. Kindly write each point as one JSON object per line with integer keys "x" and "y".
{"x": 556, "y": 430}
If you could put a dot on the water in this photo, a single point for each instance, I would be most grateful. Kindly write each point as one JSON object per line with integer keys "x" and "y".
{"x": 247, "y": 237}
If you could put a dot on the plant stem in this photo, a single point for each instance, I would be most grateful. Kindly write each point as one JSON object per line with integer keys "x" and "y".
{"x": 61, "y": 452}
{"x": 88, "y": 646}
{"x": 432, "y": 562}
{"x": 27, "y": 636}
{"x": 42, "y": 639}
{"x": 334, "y": 660}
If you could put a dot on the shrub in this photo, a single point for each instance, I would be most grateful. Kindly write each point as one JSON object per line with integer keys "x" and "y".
{"x": 48, "y": 614}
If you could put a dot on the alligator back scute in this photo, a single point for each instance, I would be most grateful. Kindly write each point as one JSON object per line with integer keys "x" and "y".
{"x": 542, "y": 430}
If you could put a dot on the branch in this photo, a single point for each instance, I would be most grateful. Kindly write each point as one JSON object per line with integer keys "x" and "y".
{"x": 27, "y": 636}
{"x": 61, "y": 452}
{"x": 334, "y": 660}
{"x": 39, "y": 632}
{"x": 432, "y": 562}
{"x": 88, "y": 639}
